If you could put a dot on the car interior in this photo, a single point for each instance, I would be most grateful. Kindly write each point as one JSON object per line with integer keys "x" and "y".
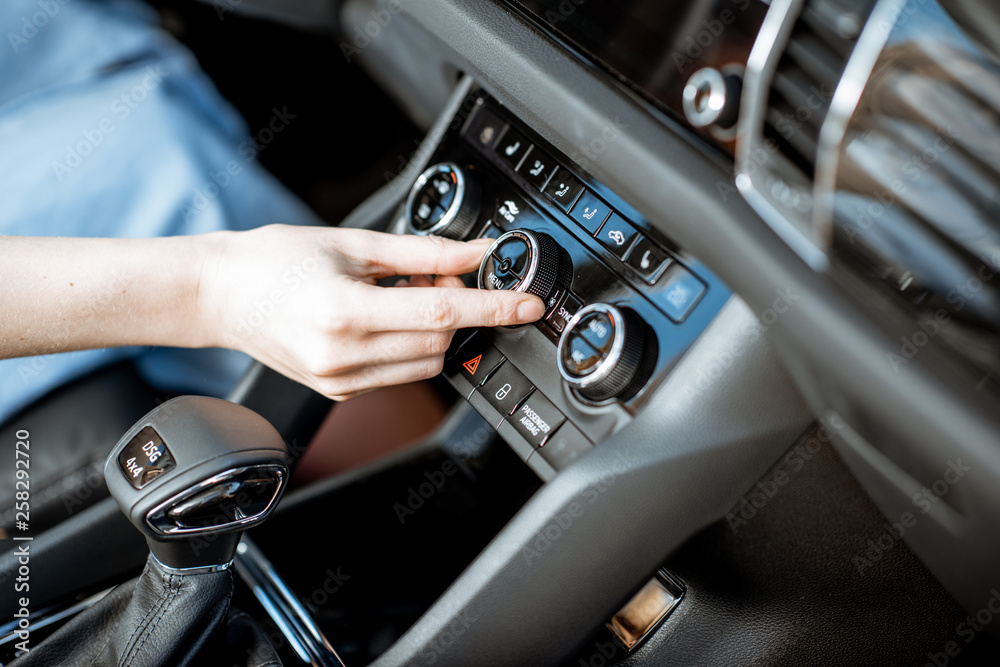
{"x": 759, "y": 423}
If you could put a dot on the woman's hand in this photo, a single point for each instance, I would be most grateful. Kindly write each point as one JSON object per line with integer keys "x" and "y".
{"x": 303, "y": 300}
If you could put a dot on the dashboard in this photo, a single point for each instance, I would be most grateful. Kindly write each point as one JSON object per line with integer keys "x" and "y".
{"x": 842, "y": 107}
{"x": 759, "y": 421}
{"x": 819, "y": 175}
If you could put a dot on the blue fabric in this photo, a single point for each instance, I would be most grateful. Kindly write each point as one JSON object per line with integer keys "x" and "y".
{"x": 109, "y": 129}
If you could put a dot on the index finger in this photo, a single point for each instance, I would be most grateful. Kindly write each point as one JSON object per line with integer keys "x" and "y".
{"x": 448, "y": 308}
{"x": 387, "y": 255}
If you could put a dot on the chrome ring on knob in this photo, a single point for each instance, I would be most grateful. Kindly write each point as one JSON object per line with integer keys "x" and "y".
{"x": 533, "y": 253}
{"x": 607, "y": 365}
{"x": 453, "y": 209}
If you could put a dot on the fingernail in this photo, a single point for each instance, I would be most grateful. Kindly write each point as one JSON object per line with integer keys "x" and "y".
{"x": 530, "y": 310}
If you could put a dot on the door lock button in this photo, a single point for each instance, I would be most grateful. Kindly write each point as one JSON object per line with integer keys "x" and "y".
{"x": 506, "y": 389}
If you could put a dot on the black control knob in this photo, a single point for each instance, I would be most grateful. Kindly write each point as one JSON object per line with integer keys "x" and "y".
{"x": 606, "y": 352}
{"x": 522, "y": 261}
{"x": 444, "y": 201}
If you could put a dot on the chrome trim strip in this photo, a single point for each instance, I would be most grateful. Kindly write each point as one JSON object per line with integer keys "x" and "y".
{"x": 158, "y": 512}
{"x": 187, "y": 571}
{"x": 456, "y": 203}
{"x": 607, "y": 364}
{"x": 761, "y": 64}
{"x": 857, "y": 71}
{"x": 295, "y": 623}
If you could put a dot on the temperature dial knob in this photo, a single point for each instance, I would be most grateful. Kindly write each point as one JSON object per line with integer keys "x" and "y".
{"x": 606, "y": 352}
{"x": 443, "y": 201}
{"x": 522, "y": 261}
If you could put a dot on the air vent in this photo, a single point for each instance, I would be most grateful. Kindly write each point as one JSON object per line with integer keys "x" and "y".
{"x": 792, "y": 75}
{"x": 806, "y": 77}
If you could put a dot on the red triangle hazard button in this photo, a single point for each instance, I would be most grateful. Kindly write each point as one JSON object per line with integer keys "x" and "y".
{"x": 472, "y": 364}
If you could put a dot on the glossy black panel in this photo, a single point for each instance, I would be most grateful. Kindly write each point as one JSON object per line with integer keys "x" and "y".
{"x": 654, "y": 46}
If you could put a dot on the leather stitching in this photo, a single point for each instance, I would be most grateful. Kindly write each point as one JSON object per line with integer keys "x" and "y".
{"x": 229, "y": 598}
{"x": 152, "y": 610}
{"x": 173, "y": 592}
{"x": 111, "y": 631}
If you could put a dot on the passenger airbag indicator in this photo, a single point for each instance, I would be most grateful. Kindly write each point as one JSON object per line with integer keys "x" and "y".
{"x": 145, "y": 457}
{"x": 536, "y": 419}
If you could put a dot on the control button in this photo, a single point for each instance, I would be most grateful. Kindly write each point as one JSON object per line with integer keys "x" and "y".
{"x": 598, "y": 330}
{"x": 536, "y": 419}
{"x": 560, "y": 317}
{"x": 476, "y": 360}
{"x": 513, "y": 257}
{"x": 523, "y": 261}
{"x": 648, "y": 260}
{"x": 433, "y": 201}
{"x": 498, "y": 273}
{"x": 145, "y": 458}
{"x": 513, "y": 147}
{"x": 578, "y": 357}
{"x": 590, "y": 212}
{"x": 537, "y": 168}
{"x": 553, "y": 301}
{"x": 565, "y": 446}
{"x": 508, "y": 210}
{"x": 563, "y": 189}
{"x": 506, "y": 389}
{"x": 606, "y": 352}
{"x": 617, "y": 235}
{"x": 680, "y": 292}
{"x": 443, "y": 201}
{"x": 485, "y": 128}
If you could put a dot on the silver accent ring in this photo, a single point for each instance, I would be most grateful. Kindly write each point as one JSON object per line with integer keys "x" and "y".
{"x": 533, "y": 253}
{"x": 607, "y": 364}
{"x": 456, "y": 203}
{"x": 704, "y": 98}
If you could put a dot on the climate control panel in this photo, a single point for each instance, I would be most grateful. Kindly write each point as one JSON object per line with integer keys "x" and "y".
{"x": 623, "y": 302}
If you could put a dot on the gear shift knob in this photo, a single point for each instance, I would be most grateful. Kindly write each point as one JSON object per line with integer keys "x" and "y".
{"x": 193, "y": 474}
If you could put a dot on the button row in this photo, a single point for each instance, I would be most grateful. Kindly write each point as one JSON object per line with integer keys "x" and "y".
{"x": 679, "y": 290}
{"x": 526, "y": 410}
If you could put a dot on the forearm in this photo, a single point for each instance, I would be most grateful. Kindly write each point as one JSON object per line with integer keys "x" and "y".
{"x": 64, "y": 294}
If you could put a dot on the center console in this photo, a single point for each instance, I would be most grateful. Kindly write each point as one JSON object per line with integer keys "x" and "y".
{"x": 624, "y": 302}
